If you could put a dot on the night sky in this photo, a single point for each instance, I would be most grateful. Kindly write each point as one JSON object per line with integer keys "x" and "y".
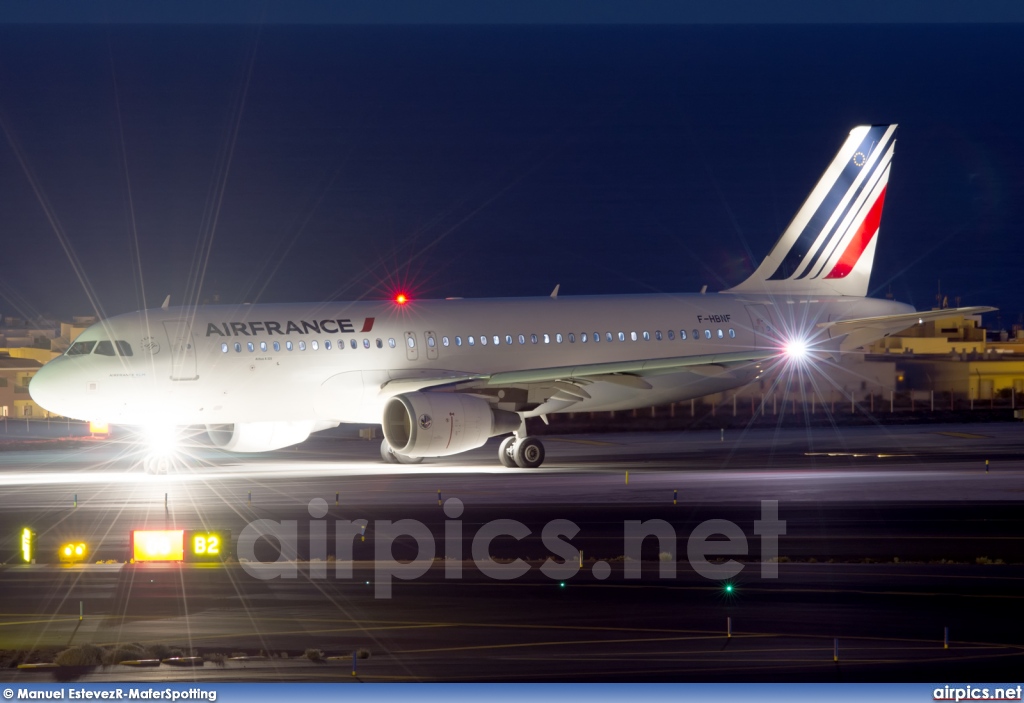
{"x": 265, "y": 162}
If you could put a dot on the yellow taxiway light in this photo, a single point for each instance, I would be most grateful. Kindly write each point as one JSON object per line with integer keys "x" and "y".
{"x": 99, "y": 428}
{"x": 27, "y": 545}
{"x": 158, "y": 545}
{"x": 73, "y": 551}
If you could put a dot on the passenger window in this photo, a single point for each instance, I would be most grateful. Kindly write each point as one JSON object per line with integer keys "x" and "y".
{"x": 707, "y": 334}
{"x": 558, "y": 337}
{"x": 632, "y": 336}
{"x": 508, "y": 339}
{"x": 721, "y": 335}
{"x": 80, "y": 348}
{"x": 470, "y": 340}
{"x": 657, "y": 335}
{"x": 287, "y": 345}
{"x": 123, "y": 347}
{"x": 224, "y": 347}
{"x": 682, "y": 334}
{"x": 622, "y": 336}
{"x": 671, "y": 335}
{"x": 647, "y": 336}
{"x": 458, "y": 341}
{"x": 366, "y": 344}
{"x": 106, "y": 348}
{"x": 277, "y": 346}
{"x": 411, "y": 341}
{"x": 572, "y": 338}
{"x": 497, "y": 340}
{"x": 597, "y": 336}
{"x": 583, "y": 336}
{"x": 547, "y": 338}
{"x": 533, "y": 339}
{"x": 327, "y": 344}
{"x": 696, "y": 335}
{"x": 250, "y": 346}
{"x": 238, "y": 347}
{"x": 732, "y": 333}
{"x": 263, "y": 346}
{"x": 609, "y": 336}
{"x": 483, "y": 340}
{"x": 315, "y": 345}
{"x": 431, "y": 342}
{"x": 380, "y": 343}
{"x": 302, "y": 345}
{"x": 353, "y": 343}
{"x": 444, "y": 341}
{"x": 522, "y": 339}
{"x": 391, "y": 342}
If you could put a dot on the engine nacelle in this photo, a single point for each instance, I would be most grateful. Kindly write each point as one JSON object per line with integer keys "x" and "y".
{"x": 440, "y": 424}
{"x": 258, "y": 436}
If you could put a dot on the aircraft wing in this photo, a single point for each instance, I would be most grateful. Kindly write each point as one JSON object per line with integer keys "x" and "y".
{"x": 623, "y": 372}
{"x": 869, "y": 327}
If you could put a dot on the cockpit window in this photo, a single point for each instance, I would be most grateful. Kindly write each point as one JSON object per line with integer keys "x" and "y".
{"x": 80, "y": 348}
{"x": 123, "y": 348}
{"x": 104, "y": 347}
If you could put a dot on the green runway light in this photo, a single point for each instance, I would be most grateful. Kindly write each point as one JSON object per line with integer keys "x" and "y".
{"x": 562, "y": 584}
{"x": 728, "y": 588}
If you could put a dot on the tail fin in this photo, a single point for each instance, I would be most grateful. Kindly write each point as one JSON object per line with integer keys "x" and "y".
{"x": 829, "y": 247}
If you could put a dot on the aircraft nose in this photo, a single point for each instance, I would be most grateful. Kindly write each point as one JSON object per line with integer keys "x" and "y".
{"x": 44, "y": 388}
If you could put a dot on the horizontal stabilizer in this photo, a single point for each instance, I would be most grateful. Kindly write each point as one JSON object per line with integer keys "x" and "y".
{"x": 856, "y": 330}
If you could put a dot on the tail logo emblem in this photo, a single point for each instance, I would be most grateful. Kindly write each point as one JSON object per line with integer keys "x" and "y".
{"x": 859, "y": 159}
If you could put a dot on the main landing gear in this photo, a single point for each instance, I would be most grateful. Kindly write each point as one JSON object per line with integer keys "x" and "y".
{"x": 526, "y": 453}
{"x": 390, "y": 456}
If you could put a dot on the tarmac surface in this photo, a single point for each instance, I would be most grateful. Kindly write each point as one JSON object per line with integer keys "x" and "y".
{"x": 892, "y": 535}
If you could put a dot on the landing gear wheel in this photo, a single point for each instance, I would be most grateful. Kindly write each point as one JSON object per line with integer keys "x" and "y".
{"x": 404, "y": 459}
{"x": 386, "y": 454}
{"x": 506, "y": 452}
{"x": 529, "y": 453}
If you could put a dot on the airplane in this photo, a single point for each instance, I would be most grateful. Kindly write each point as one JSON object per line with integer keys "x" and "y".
{"x": 443, "y": 376}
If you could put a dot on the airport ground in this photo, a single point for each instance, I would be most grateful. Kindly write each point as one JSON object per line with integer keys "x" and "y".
{"x": 893, "y": 534}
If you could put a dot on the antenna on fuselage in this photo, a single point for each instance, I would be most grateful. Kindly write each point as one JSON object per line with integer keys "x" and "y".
{"x": 167, "y": 303}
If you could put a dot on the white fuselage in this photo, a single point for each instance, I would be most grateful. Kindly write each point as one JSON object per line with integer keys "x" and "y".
{"x": 328, "y": 363}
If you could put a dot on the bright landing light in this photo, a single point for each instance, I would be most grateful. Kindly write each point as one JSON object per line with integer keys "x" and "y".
{"x": 796, "y": 349}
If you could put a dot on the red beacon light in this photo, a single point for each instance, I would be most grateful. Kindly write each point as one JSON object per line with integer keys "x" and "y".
{"x": 401, "y": 299}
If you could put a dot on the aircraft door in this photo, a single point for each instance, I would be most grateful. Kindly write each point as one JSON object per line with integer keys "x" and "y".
{"x": 183, "y": 350}
{"x": 411, "y": 352}
{"x": 431, "y": 344}
{"x": 765, "y": 334}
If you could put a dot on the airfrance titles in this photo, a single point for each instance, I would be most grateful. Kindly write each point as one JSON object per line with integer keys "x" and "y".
{"x": 253, "y": 329}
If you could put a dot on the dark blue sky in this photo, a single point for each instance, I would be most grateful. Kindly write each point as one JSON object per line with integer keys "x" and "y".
{"x": 314, "y": 162}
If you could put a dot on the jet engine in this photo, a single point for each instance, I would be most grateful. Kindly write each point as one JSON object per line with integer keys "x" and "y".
{"x": 258, "y": 436}
{"x": 440, "y": 424}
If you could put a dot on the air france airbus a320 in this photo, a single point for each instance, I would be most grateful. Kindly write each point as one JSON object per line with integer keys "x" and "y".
{"x": 443, "y": 376}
